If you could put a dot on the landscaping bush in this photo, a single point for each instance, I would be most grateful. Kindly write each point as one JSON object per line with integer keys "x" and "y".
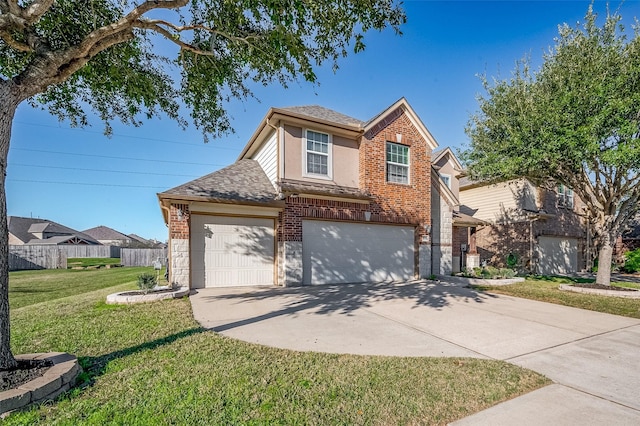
{"x": 489, "y": 273}
{"x": 632, "y": 261}
{"x": 146, "y": 282}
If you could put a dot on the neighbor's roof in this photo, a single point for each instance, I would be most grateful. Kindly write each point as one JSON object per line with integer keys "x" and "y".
{"x": 322, "y": 113}
{"x": 23, "y": 228}
{"x": 139, "y": 239}
{"x": 62, "y": 239}
{"x": 242, "y": 181}
{"x": 105, "y": 233}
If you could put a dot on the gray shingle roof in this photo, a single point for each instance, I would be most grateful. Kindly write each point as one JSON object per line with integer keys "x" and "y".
{"x": 243, "y": 181}
{"x": 293, "y": 186}
{"x": 22, "y": 228}
{"x": 322, "y": 113}
{"x": 105, "y": 233}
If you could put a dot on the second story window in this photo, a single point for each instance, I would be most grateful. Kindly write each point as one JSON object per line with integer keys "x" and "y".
{"x": 397, "y": 163}
{"x": 318, "y": 158}
{"x": 446, "y": 179}
{"x": 565, "y": 197}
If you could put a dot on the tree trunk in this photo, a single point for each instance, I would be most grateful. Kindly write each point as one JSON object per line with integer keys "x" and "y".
{"x": 605, "y": 254}
{"x": 8, "y": 104}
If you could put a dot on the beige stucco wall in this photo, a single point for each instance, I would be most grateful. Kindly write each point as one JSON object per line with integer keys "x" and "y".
{"x": 445, "y": 167}
{"x": 344, "y": 158}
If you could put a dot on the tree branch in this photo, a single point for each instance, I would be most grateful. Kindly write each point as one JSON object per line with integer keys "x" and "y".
{"x": 12, "y": 42}
{"x": 35, "y": 10}
{"x": 150, "y": 25}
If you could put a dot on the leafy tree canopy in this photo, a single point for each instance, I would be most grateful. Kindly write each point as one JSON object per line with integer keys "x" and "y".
{"x": 71, "y": 55}
{"x": 575, "y": 121}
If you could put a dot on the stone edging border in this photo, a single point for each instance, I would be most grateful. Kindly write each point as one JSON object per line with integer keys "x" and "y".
{"x": 121, "y": 298}
{"x": 479, "y": 281}
{"x": 600, "y": 292}
{"x": 55, "y": 381}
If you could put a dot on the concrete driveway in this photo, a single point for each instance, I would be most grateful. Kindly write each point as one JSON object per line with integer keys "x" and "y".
{"x": 593, "y": 358}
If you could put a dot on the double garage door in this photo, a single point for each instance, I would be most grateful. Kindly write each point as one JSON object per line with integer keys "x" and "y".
{"x": 240, "y": 251}
{"x": 342, "y": 252}
{"x": 557, "y": 255}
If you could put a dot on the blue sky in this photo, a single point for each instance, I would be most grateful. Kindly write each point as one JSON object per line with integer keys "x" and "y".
{"x": 82, "y": 179}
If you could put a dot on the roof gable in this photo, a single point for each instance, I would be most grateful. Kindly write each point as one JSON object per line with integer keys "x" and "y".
{"x": 403, "y": 105}
{"x": 446, "y": 152}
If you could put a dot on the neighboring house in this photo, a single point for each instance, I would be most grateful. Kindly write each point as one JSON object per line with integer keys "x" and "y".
{"x": 545, "y": 230}
{"x": 454, "y": 247}
{"x": 108, "y": 236}
{"x": 315, "y": 197}
{"x": 30, "y": 231}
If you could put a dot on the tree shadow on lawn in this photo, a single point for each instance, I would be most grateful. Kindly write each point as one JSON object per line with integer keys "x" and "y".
{"x": 343, "y": 299}
{"x": 94, "y": 367}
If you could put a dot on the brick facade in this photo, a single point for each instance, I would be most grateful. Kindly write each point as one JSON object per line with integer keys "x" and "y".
{"x": 179, "y": 253}
{"x": 179, "y": 221}
{"x": 397, "y": 202}
{"x": 392, "y": 202}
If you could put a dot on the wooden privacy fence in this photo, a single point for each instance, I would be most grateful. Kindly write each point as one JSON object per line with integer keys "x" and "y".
{"x": 142, "y": 256}
{"x": 91, "y": 251}
{"x": 36, "y": 257}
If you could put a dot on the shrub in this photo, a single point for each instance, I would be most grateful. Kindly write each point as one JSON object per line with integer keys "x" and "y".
{"x": 146, "y": 282}
{"x": 507, "y": 273}
{"x": 512, "y": 260}
{"x": 632, "y": 261}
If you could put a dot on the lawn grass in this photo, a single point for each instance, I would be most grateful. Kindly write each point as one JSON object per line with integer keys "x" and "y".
{"x": 30, "y": 287}
{"x": 152, "y": 364}
{"x": 91, "y": 262}
{"x": 546, "y": 289}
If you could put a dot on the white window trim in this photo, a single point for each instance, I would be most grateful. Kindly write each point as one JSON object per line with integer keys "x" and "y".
{"x": 444, "y": 175}
{"x": 408, "y": 165}
{"x": 305, "y": 173}
{"x": 563, "y": 197}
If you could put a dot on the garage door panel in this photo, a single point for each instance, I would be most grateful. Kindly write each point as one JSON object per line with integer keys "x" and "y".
{"x": 340, "y": 252}
{"x": 557, "y": 256}
{"x": 232, "y": 251}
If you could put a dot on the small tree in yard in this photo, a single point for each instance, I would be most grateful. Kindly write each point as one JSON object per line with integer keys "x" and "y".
{"x": 71, "y": 55}
{"x": 575, "y": 122}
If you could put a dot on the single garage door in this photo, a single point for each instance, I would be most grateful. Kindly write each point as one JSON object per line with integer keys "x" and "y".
{"x": 340, "y": 252}
{"x": 231, "y": 251}
{"x": 557, "y": 255}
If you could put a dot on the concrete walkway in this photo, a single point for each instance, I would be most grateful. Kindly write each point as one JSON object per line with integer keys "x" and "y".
{"x": 593, "y": 358}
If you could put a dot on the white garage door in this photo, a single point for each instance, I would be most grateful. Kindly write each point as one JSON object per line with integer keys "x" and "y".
{"x": 339, "y": 252}
{"x": 231, "y": 251}
{"x": 557, "y": 255}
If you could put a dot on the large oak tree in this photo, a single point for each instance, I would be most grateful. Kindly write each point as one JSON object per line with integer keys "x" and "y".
{"x": 103, "y": 56}
{"x": 575, "y": 121}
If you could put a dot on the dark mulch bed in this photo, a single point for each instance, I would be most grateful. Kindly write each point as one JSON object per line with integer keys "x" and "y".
{"x": 603, "y": 287}
{"x": 27, "y": 370}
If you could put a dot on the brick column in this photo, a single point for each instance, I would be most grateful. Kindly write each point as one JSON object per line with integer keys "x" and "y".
{"x": 179, "y": 263}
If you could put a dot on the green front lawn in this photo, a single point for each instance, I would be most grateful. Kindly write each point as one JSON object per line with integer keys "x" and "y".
{"x": 31, "y": 287}
{"x": 546, "y": 289}
{"x": 153, "y": 364}
{"x": 91, "y": 262}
